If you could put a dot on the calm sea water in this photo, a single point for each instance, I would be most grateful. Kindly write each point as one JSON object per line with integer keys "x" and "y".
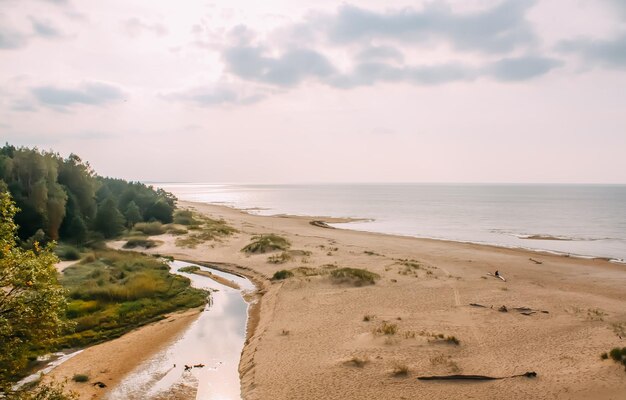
{"x": 587, "y": 220}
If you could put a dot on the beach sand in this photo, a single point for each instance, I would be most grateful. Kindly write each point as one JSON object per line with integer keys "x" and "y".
{"x": 307, "y": 333}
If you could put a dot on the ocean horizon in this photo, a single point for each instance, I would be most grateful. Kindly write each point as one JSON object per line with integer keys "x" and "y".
{"x": 585, "y": 220}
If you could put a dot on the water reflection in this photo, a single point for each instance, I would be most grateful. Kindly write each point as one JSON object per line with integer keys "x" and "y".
{"x": 214, "y": 340}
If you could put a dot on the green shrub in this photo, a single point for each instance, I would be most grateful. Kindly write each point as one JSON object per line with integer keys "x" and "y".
{"x": 282, "y": 274}
{"x": 185, "y": 217}
{"x": 189, "y": 269}
{"x": 266, "y": 243}
{"x": 80, "y": 378}
{"x": 150, "y": 228}
{"x": 140, "y": 242}
{"x": 355, "y": 276}
{"x": 67, "y": 253}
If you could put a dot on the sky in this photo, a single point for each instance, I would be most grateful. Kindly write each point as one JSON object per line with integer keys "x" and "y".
{"x": 299, "y": 91}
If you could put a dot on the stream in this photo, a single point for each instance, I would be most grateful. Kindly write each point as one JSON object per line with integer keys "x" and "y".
{"x": 214, "y": 340}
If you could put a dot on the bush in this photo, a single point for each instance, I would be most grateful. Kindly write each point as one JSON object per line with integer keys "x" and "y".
{"x": 282, "y": 274}
{"x": 67, "y": 252}
{"x": 266, "y": 243}
{"x": 185, "y": 217}
{"x": 400, "y": 370}
{"x": 356, "y": 276}
{"x": 140, "y": 242}
{"x": 150, "y": 228}
{"x": 80, "y": 378}
{"x": 189, "y": 269}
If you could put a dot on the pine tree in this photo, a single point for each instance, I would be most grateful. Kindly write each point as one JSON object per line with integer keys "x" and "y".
{"x": 109, "y": 220}
{"x": 132, "y": 214}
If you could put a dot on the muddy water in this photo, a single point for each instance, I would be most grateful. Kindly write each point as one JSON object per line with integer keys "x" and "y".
{"x": 214, "y": 340}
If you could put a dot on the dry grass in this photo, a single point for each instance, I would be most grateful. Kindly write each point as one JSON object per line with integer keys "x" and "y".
{"x": 386, "y": 329}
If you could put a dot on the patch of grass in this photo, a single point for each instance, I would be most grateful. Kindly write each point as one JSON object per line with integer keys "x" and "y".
{"x": 368, "y": 317}
{"x": 80, "y": 378}
{"x": 604, "y": 356}
{"x": 386, "y": 329}
{"x": 356, "y": 276}
{"x": 114, "y": 292}
{"x": 135, "y": 242}
{"x": 176, "y": 231}
{"x": 209, "y": 229}
{"x": 282, "y": 274}
{"x": 616, "y": 354}
{"x": 185, "y": 217}
{"x": 400, "y": 369}
{"x": 67, "y": 252}
{"x": 595, "y": 314}
{"x": 372, "y": 253}
{"x": 150, "y": 228}
{"x": 266, "y": 243}
{"x": 190, "y": 269}
{"x": 279, "y": 258}
{"x": 442, "y": 360}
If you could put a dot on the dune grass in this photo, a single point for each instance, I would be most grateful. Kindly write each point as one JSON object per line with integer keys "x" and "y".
{"x": 115, "y": 291}
{"x": 150, "y": 228}
{"x": 355, "y": 276}
{"x": 266, "y": 243}
{"x": 135, "y": 242}
{"x": 282, "y": 274}
{"x": 616, "y": 354}
{"x": 202, "y": 230}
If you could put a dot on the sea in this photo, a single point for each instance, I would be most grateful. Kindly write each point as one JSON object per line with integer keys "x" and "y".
{"x": 579, "y": 220}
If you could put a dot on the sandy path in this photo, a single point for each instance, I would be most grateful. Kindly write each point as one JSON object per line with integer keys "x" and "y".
{"x": 109, "y": 362}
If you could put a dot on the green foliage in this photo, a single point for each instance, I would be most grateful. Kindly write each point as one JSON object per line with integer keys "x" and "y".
{"x": 282, "y": 274}
{"x": 135, "y": 242}
{"x": 117, "y": 291}
{"x": 185, "y": 217}
{"x": 109, "y": 220}
{"x": 616, "y": 354}
{"x": 189, "y": 269}
{"x": 80, "y": 378}
{"x": 356, "y": 276}
{"x": 132, "y": 214}
{"x": 32, "y": 304}
{"x": 67, "y": 253}
{"x": 150, "y": 228}
{"x": 266, "y": 243}
{"x": 50, "y": 391}
{"x": 61, "y": 196}
{"x": 210, "y": 229}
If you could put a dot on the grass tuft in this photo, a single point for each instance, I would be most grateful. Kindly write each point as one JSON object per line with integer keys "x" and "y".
{"x": 80, "y": 378}
{"x": 266, "y": 243}
{"x": 135, "y": 242}
{"x": 282, "y": 274}
{"x": 386, "y": 329}
{"x": 356, "y": 276}
{"x": 150, "y": 228}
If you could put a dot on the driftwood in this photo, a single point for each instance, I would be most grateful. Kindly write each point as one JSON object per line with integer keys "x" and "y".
{"x": 521, "y": 310}
{"x": 530, "y": 374}
{"x": 321, "y": 224}
{"x": 536, "y": 261}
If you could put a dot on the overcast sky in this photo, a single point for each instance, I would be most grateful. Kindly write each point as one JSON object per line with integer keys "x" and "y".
{"x": 287, "y": 91}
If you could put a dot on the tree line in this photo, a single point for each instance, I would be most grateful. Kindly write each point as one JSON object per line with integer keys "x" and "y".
{"x": 64, "y": 199}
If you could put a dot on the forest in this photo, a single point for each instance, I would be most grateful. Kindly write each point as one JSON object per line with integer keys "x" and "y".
{"x": 63, "y": 199}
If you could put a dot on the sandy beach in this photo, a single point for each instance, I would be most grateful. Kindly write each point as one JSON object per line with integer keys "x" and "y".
{"x": 312, "y": 338}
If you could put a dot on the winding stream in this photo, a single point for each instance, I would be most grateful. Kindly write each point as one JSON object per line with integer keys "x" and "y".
{"x": 214, "y": 340}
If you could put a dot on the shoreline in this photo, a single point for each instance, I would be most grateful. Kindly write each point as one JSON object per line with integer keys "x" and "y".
{"x": 341, "y": 222}
{"x": 302, "y": 332}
